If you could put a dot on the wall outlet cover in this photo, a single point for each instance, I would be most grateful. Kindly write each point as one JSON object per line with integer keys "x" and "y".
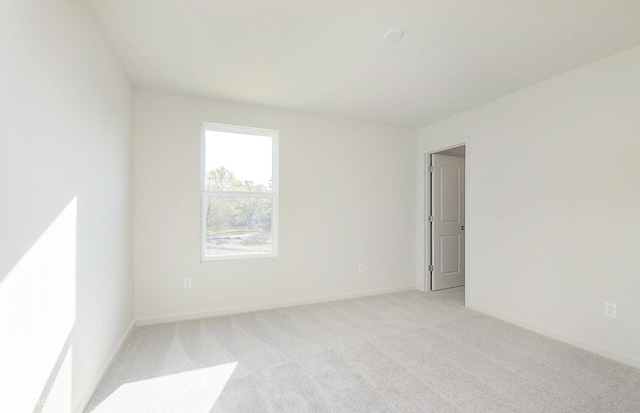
{"x": 610, "y": 310}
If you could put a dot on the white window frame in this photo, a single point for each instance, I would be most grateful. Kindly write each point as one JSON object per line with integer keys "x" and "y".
{"x": 273, "y": 194}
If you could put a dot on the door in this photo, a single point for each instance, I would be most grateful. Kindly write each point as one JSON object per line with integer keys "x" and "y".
{"x": 447, "y": 222}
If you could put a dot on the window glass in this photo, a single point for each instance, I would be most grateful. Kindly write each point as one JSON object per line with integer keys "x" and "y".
{"x": 239, "y": 192}
{"x": 238, "y": 162}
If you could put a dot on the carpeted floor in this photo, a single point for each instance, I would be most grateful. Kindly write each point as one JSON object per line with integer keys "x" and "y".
{"x": 405, "y": 352}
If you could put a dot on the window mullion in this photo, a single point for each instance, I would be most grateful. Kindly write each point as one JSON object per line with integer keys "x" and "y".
{"x": 240, "y": 194}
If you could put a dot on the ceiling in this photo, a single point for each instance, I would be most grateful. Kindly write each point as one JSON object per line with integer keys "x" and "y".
{"x": 458, "y": 152}
{"x": 329, "y": 56}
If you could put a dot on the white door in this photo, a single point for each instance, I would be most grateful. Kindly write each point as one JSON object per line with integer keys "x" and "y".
{"x": 447, "y": 226}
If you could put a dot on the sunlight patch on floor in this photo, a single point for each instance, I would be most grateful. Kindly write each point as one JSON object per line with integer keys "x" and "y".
{"x": 192, "y": 391}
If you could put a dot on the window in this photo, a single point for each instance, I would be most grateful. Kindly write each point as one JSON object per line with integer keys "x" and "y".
{"x": 239, "y": 182}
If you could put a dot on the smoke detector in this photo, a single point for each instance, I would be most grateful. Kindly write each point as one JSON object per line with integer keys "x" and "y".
{"x": 393, "y": 35}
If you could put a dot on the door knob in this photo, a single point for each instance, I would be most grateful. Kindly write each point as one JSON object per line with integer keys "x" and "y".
{"x": 463, "y": 227}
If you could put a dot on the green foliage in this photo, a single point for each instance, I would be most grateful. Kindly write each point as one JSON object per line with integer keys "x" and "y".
{"x": 229, "y": 213}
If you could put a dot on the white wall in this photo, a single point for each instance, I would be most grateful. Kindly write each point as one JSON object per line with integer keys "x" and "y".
{"x": 553, "y": 222}
{"x": 346, "y": 197}
{"x": 66, "y": 286}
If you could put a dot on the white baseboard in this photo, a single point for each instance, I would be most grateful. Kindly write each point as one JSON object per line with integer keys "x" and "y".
{"x": 623, "y": 358}
{"x": 270, "y": 306}
{"x": 89, "y": 393}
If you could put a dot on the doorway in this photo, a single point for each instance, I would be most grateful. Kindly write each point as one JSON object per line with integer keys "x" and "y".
{"x": 446, "y": 218}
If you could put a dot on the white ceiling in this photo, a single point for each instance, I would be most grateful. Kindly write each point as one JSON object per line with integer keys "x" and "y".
{"x": 329, "y": 57}
{"x": 458, "y": 152}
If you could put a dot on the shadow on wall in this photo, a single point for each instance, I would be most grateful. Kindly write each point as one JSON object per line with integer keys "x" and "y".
{"x": 37, "y": 318}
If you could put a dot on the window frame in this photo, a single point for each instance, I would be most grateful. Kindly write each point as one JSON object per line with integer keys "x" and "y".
{"x": 273, "y": 194}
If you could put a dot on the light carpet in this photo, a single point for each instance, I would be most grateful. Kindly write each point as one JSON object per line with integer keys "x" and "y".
{"x": 404, "y": 352}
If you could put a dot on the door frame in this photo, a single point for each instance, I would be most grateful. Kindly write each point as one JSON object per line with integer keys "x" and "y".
{"x": 424, "y": 244}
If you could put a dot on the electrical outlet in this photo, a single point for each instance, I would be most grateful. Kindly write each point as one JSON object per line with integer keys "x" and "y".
{"x": 187, "y": 283}
{"x": 609, "y": 310}
{"x": 360, "y": 268}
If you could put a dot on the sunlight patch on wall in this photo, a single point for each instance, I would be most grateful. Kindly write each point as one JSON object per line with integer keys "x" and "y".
{"x": 192, "y": 391}
{"x": 58, "y": 399}
{"x": 37, "y": 314}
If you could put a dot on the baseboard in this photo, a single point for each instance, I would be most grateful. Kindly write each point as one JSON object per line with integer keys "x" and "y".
{"x": 623, "y": 358}
{"x": 87, "y": 396}
{"x": 270, "y": 306}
